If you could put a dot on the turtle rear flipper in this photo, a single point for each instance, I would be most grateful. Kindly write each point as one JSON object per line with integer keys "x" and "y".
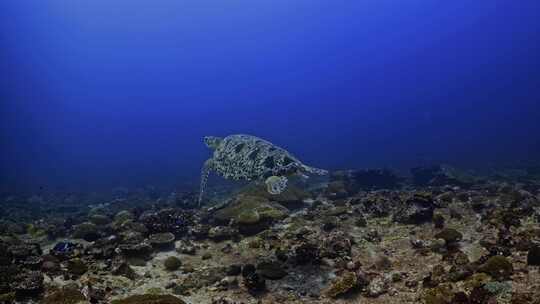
{"x": 276, "y": 184}
{"x": 313, "y": 170}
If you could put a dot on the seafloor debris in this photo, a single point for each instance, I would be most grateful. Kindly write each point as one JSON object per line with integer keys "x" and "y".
{"x": 363, "y": 237}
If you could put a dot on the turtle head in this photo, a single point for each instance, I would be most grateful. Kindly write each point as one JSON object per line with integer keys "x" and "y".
{"x": 212, "y": 141}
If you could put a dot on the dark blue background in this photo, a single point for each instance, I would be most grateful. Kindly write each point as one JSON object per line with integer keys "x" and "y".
{"x": 106, "y": 93}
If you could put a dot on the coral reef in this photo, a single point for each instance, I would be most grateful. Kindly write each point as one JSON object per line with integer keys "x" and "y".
{"x": 149, "y": 299}
{"x": 364, "y": 236}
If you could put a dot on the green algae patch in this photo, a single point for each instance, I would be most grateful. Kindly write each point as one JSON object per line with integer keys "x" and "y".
{"x": 249, "y": 210}
{"x": 439, "y": 295}
{"x": 449, "y": 235}
{"x": 248, "y": 217}
{"x": 35, "y": 232}
{"x": 64, "y": 296}
{"x": 154, "y": 291}
{"x": 292, "y": 196}
{"x": 477, "y": 280}
{"x": 342, "y": 285}
{"x": 339, "y": 210}
{"x": 149, "y": 299}
{"x": 7, "y": 297}
{"x": 77, "y": 267}
{"x": 498, "y": 267}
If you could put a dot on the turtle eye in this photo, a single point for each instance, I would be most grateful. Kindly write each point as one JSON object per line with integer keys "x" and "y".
{"x": 287, "y": 160}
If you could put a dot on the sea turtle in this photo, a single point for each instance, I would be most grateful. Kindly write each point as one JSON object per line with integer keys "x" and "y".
{"x": 246, "y": 157}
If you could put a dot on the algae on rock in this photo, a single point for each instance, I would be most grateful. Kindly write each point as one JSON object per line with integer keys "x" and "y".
{"x": 342, "y": 285}
{"x": 498, "y": 267}
{"x": 250, "y": 210}
{"x": 172, "y": 263}
{"x": 150, "y": 299}
{"x": 64, "y": 296}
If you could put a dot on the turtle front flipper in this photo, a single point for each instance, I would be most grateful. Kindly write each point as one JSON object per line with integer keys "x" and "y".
{"x": 313, "y": 170}
{"x": 276, "y": 184}
{"x": 205, "y": 171}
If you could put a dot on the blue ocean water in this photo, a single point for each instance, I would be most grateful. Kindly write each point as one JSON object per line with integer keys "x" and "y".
{"x": 97, "y": 94}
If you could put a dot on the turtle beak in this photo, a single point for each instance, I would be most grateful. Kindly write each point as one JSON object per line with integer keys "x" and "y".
{"x": 211, "y": 141}
{"x": 208, "y": 141}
